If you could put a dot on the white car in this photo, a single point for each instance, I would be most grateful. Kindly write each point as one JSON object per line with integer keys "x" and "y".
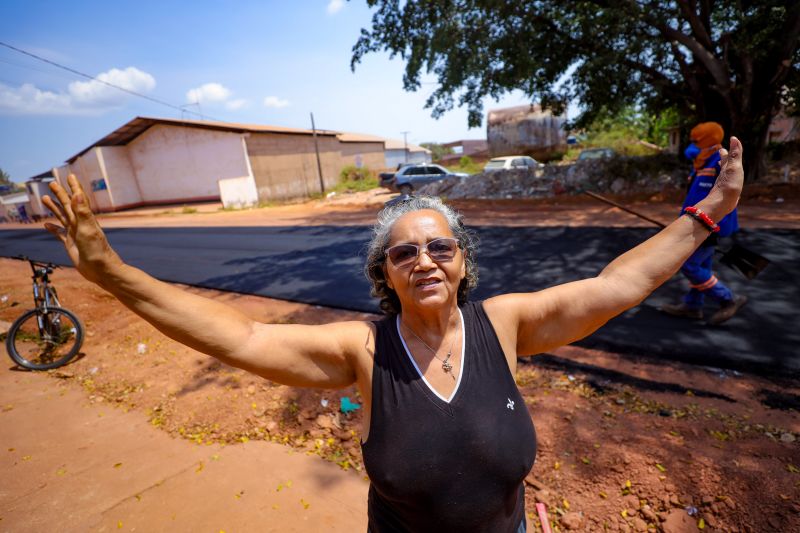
{"x": 512, "y": 161}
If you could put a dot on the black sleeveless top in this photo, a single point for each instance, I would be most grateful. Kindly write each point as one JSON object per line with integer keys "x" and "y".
{"x": 444, "y": 466}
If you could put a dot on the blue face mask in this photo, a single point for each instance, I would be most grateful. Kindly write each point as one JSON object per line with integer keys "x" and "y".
{"x": 691, "y": 152}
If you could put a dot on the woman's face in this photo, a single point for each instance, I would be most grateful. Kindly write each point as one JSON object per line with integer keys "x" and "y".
{"x": 424, "y": 282}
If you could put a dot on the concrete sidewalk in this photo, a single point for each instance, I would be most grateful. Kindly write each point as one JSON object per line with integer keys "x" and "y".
{"x": 69, "y": 465}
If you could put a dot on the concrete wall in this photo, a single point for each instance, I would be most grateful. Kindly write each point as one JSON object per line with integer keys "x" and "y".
{"x": 37, "y": 189}
{"x": 285, "y": 165}
{"x": 123, "y": 186}
{"x": 60, "y": 174}
{"x": 238, "y": 192}
{"x": 179, "y": 164}
{"x": 87, "y": 168}
{"x": 368, "y": 154}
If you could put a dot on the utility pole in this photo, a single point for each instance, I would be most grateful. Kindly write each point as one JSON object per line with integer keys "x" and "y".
{"x": 405, "y": 143}
{"x": 316, "y": 149}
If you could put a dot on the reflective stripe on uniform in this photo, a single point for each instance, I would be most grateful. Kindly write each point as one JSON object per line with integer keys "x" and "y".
{"x": 705, "y": 285}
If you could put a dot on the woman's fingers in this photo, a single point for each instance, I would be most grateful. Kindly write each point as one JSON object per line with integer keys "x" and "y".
{"x": 64, "y": 200}
{"x": 55, "y": 208}
{"x": 74, "y": 185}
{"x": 59, "y": 232}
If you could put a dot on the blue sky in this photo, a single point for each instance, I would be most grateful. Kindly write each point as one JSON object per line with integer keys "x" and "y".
{"x": 264, "y": 62}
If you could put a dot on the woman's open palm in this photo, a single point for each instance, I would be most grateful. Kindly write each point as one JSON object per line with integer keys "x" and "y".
{"x": 82, "y": 236}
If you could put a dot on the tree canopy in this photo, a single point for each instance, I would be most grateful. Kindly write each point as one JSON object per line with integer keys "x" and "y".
{"x": 732, "y": 62}
{"x": 5, "y": 179}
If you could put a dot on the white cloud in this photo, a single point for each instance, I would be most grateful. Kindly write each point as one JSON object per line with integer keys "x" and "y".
{"x": 235, "y": 105}
{"x": 80, "y": 98}
{"x": 208, "y": 93}
{"x": 274, "y": 101}
{"x": 96, "y": 93}
{"x": 215, "y": 94}
{"x": 334, "y": 6}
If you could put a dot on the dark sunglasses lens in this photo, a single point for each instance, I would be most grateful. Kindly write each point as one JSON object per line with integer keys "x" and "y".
{"x": 402, "y": 253}
{"x": 442, "y": 248}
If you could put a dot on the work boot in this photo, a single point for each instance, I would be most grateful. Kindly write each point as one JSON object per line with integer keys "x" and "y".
{"x": 727, "y": 310}
{"x": 683, "y": 310}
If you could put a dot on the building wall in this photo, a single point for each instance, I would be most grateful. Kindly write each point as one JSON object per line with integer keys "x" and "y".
{"x": 181, "y": 164}
{"x": 37, "y": 189}
{"x": 120, "y": 178}
{"x": 369, "y": 154}
{"x": 395, "y": 157}
{"x": 60, "y": 174}
{"x": 88, "y": 169}
{"x": 525, "y": 130}
{"x": 285, "y": 165}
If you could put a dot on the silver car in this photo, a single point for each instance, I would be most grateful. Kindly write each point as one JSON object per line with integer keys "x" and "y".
{"x": 412, "y": 177}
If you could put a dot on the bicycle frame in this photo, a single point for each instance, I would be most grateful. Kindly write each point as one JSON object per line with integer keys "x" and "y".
{"x": 44, "y": 296}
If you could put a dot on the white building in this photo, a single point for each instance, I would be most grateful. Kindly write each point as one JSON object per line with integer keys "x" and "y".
{"x": 152, "y": 161}
{"x": 15, "y": 206}
{"x": 398, "y": 152}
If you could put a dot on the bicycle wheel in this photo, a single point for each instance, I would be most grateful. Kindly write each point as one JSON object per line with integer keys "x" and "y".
{"x": 40, "y": 340}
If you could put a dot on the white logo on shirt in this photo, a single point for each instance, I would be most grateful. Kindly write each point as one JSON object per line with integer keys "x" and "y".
{"x": 510, "y": 404}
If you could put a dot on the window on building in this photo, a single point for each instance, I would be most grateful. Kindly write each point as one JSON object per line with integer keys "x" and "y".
{"x": 99, "y": 185}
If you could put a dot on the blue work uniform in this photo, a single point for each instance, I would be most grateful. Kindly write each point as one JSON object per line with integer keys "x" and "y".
{"x": 698, "y": 268}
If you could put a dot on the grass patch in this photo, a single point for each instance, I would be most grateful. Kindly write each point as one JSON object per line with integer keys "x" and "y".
{"x": 467, "y": 166}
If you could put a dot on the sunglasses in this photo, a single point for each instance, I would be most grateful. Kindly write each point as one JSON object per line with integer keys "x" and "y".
{"x": 441, "y": 249}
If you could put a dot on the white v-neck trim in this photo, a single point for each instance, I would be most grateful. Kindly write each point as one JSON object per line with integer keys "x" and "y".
{"x": 413, "y": 362}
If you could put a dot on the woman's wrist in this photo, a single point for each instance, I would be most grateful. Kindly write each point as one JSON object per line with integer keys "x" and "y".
{"x": 713, "y": 209}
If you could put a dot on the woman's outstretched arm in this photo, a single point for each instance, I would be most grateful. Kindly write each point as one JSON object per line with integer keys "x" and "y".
{"x": 536, "y": 322}
{"x": 298, "y": 355}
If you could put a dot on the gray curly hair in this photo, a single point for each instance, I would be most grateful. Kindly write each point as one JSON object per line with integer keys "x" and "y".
{"x": 376, "y": 256}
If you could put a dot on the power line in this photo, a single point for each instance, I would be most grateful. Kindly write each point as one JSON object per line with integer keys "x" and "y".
{"x": 87, "y": 76}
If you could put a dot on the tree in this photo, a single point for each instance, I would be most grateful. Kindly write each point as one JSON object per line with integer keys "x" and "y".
{"x": 732, "y": 62}
{"x": 438, "y": 151}
{"x": 5, "y": 179}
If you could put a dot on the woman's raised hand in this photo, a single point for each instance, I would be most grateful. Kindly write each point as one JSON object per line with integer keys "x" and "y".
{"x": 84, "y": 240}
{"x": 728, "y": 188}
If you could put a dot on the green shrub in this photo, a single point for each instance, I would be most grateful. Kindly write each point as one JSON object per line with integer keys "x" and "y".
{"x": 353, "y": 173}
{"x": 354, "y": 179}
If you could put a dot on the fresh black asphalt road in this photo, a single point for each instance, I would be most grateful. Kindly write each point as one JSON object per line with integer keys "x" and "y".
{"x": 322, "y": 265}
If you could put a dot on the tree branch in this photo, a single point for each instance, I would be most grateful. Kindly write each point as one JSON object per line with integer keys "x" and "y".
{"x": 698, "y": 29}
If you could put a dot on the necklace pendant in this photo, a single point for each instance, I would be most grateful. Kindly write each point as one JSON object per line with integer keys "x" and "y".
{"x": 447, "y": 367}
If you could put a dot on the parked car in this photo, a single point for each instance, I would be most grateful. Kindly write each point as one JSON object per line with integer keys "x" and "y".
{"x": 596, "y": 153}
{"x": 512, "y": 161}
{"x": 412, "y": 177}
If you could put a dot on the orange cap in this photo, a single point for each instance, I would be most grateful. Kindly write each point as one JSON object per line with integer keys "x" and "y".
{"x": 707, "y": 134}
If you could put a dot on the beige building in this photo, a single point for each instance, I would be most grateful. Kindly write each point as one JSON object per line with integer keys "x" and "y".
{"x": 152, "y": 161}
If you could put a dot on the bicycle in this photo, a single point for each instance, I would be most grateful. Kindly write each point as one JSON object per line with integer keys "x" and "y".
{"x": 48, "y": 335}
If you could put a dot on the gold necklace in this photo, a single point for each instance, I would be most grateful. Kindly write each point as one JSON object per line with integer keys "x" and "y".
{"x": 446, "y": 366}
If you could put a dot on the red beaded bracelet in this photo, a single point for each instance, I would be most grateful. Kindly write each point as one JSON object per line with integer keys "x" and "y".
{"x": 702, "y": 218}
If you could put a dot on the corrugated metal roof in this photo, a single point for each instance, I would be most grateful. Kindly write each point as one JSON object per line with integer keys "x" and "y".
{"x": 389, "y": 144}
{"x": 349, "y": 137}
{"x": 397, "y": 144}
{"x": 128, "y": 132}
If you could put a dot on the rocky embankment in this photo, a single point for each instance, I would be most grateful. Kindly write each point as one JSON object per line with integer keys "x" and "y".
{"x": 619, "y": 175}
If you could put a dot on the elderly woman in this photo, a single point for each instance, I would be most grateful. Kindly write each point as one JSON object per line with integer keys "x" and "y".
{"x": 447, "y": 439}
